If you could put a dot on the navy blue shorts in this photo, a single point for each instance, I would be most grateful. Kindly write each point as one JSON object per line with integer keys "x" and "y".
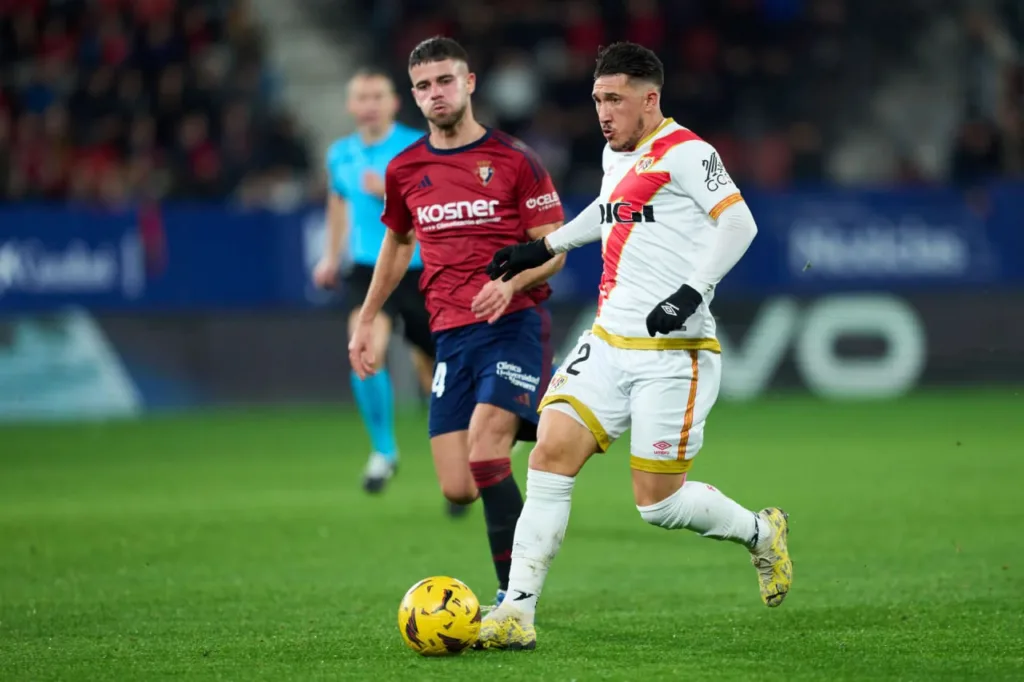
{"x": 507, "y": 364}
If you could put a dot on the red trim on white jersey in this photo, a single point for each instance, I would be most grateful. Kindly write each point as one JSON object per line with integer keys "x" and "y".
{"x": 637, "y": 188}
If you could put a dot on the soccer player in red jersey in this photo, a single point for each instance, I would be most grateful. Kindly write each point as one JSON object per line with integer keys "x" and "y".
{"x": 464, "y": 191}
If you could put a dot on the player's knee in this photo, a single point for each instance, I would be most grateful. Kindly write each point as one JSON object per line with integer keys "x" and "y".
{"x": 563, "y": 446}
{"x": 554, "y": 458}
{"x": 459, "y": 492}
{"x": 544, "y": 457}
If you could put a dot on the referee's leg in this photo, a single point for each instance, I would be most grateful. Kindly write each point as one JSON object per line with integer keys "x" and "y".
{"x": 375, "y": 397}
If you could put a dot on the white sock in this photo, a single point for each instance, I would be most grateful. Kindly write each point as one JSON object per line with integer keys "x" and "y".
{"x": 704, "y": 509}
{"x": 539, "y": 535}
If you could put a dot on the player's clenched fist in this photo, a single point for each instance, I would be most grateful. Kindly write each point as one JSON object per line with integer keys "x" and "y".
{"x": 325, "y": 274}
{"x": 671, "y": 314}
{"x": 511, "y": 260}
{"x": 360, "y": 350}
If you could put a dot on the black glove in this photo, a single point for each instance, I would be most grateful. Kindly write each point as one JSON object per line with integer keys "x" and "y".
{"x": 511, "y": 260}
{"x": 671, "y": 314}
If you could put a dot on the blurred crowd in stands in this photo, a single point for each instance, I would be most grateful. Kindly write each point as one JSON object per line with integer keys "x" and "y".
{"x": 117, "y": 101}
{"x": 122, "y": 100}
{"x": 772, "y": 83}
{"x": 726, "y": 63}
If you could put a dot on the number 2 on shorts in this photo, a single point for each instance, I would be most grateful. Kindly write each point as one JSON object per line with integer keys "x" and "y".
{"x": 582, "y": 356}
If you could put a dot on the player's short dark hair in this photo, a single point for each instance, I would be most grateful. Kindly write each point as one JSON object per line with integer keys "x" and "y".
{"x": 630, "y": 59}
{"x": 437, "y": 49}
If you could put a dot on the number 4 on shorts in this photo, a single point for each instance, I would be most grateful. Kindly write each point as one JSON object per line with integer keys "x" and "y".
{"x": 440, "y": 373}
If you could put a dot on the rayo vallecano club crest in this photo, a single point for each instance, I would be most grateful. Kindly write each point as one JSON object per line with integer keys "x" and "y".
{"x": 557, "y": 382}
{"x": 485, "y": 171}
{"x": 644, "y": 163}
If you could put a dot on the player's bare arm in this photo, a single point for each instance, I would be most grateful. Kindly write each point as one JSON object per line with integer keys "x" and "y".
{"x": 396, "y": 253}
{"x": 325, "y": 275}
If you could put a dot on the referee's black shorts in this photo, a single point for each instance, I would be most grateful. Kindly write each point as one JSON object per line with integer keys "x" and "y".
{"x": 405, "y": 304}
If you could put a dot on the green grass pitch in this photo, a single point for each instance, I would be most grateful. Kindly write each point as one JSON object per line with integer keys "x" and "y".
{"x": 238, "y": 546}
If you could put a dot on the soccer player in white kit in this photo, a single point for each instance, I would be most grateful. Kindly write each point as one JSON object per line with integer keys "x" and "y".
{"x": 668, "y": 214}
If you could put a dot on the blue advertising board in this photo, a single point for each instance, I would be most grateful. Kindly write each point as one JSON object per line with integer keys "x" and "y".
{"x": 815, "y": 242}
{"x": 158, "y": 259}
{"x": 175, "y": 258}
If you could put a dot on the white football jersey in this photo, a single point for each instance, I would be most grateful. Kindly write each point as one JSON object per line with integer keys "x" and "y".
{"x": 658, "y": 207}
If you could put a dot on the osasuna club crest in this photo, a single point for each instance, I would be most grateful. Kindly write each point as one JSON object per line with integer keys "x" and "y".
{"x": 485, "y": 171}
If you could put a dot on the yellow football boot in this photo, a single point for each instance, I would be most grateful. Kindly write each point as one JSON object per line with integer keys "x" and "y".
{"x": 771, "y": 557}
{"x": 503, "y": 629}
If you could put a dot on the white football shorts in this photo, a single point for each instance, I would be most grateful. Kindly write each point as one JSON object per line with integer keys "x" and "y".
{"x": 663, "y": 396}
